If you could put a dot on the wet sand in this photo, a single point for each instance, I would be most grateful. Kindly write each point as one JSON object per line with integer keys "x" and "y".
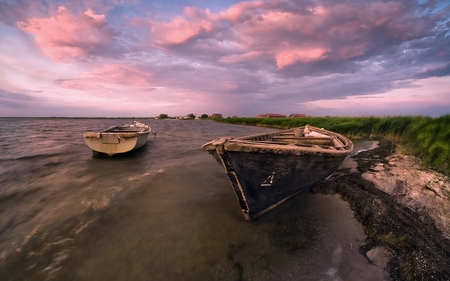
{"x": 403, "y": 210}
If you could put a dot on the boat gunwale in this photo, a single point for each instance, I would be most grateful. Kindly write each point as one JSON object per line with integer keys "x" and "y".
{"x": 246, "y": 144}
{"x": 141, "y": 127}
{"x": 285, "y": 148}
{"x": 138, "y": 129}
{"x": 118, "y": 134}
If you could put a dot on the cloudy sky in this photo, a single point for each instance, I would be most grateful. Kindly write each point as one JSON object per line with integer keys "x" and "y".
{"x": 148, "y": 57}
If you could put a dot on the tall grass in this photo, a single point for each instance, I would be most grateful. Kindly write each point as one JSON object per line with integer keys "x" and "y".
{"x": 426, "y": 137}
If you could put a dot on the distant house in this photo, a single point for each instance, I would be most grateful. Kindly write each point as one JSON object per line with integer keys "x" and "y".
{"x": 216, "y": 115}
{"x": 275, "y": 115}
{"x": 261, "y": 116}
{"x": 297, "y": 115}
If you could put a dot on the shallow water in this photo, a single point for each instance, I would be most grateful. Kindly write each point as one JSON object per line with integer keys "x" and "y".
{"x": 164, "y": 212}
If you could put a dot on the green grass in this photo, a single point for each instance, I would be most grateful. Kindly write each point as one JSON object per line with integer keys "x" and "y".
{"x": 426, "y": 137}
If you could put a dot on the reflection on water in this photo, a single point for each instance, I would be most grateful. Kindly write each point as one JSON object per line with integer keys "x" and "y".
{"x": 349, "y": 165}
{"x": 164, "y": 212}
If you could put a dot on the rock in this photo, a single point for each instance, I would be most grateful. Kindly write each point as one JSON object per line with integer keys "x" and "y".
{"x": 379, "y": 256}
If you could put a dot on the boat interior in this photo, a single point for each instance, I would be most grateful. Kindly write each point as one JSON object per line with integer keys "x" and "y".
{"x": 299, "y": 137}
{"x": 128, "y": 128}
{"x": 124, "y": 129}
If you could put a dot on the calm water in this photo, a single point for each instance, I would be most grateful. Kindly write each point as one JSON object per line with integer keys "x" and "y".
{"x": 164, "y": 212}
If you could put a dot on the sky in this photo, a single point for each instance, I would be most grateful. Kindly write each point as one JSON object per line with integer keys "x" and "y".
{"x": 127, "y": 58}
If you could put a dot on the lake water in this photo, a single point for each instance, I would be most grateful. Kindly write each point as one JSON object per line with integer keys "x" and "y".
{"x": 164, "y": 212}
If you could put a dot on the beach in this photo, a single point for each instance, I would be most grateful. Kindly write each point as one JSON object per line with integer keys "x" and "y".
{"x": 168, "y": 212}
{"x": 404, "y": 209}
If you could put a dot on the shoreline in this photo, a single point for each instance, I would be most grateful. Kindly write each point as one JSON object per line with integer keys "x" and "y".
{"x": 403, "y": 209}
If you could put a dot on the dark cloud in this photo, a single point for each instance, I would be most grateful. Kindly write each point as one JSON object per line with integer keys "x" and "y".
{"x": 436, "y": 72}
{"x": 15, "y": 100}
{"x": 12, "y": 11}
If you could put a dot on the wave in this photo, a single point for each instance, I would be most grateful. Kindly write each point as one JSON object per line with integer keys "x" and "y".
{"x": 31, "y": 157}
{"x": 41, "y": 246}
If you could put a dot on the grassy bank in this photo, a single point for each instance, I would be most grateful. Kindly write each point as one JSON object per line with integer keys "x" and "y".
{"x": 426, "y": 137}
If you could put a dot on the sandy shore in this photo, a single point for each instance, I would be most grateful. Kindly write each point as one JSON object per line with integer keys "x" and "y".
{"x": 404, "y": 209}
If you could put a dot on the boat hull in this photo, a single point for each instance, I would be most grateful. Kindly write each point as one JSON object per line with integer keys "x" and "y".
{"x": 118, "y": 139}
{"x": 264, "y": 175}
{"x": 115, "y": 143}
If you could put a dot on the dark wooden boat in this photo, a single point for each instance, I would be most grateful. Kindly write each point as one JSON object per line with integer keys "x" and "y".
{"x": 267, "y": 169}
{"x": 117, "y": 139}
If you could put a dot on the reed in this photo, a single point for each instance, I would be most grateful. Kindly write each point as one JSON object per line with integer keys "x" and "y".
{"x": 426, "y": 137}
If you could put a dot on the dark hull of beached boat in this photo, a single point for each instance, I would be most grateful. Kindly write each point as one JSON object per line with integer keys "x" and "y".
{"x": 118, "y": 139}
{"x": 266, "y": 170}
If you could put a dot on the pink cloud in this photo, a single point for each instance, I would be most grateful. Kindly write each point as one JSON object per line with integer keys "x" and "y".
{"x": 64, "y": 36}
{"x": 113, "y": 74}
{"x": 195, "y": 22}
{"x": 179, "y": 30}
{"x": 288, "y": 57}
{"x": 250, "y": 56}
{"x": 123, "y": 74}
{"x": 241, "y": 11}
{"x": 291, "y": 34}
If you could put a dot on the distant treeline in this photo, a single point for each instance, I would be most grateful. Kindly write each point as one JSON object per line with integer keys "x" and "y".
{"x": 426, "y": 137}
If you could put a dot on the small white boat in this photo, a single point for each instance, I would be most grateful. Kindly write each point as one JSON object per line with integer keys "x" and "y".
{"x": 117, "y": 139}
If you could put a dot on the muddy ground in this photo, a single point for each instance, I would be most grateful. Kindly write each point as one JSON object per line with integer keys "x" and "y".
{"x": 404, "y": 209}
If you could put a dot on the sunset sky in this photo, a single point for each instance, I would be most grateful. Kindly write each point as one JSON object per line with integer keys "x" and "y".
{"x": 129, "y": 58}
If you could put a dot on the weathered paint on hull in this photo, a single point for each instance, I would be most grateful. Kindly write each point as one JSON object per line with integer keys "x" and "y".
{"x": 265, "y": 170}
{"x": 261, "y": 182}
{"x": 115, "y": 143}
